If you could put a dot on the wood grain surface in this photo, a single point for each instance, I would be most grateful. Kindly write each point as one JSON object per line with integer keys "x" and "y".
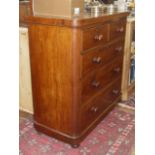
{"x": 72, "y": 91}
{"x": 51, "y": 65}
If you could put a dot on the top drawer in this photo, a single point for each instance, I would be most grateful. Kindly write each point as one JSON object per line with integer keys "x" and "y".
{"x": 117, "y": 29}
{"x": 95, "y": 36}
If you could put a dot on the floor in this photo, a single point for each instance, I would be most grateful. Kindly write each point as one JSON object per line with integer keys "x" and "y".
{"x": 113, "y": 136}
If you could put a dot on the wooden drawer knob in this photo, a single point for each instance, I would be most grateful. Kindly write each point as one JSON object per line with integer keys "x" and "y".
{"x": 119, "y": 49}
{"x": 115, "y": 92}
{"x": 98, "y": 37}
{"x": 120, "y": 30}
{"x": 97, "y": 60}
{"x": 117, "y": 70}
{"x": 95, "y": 84}
{"x": 94, "y": 109}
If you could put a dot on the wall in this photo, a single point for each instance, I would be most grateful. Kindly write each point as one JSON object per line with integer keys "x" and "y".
{"x": 63, "y": 8}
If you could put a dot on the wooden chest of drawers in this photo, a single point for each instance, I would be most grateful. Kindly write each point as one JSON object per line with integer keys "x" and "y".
{"x": 76, "y": 69}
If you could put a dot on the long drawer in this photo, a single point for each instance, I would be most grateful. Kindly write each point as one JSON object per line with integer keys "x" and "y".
{"x": 98, "y": 105}
{"x": 95, "y": 59}
{"x": 100, "y": 79}
{"x": 95, "y": 36}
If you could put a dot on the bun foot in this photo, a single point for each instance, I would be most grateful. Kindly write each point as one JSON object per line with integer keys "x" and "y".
{"x": 75, "y": 146}
{"x": 38, "y": 132}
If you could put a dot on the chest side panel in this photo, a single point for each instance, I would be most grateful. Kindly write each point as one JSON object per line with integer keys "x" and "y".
{"x": 51, "y": 67}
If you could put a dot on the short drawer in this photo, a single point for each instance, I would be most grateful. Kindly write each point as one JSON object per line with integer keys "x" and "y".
{"x": 117, "y": 29}
{"x": 95, "y": 36}
{"x": 97, "y": 58}
{"x": 100, "y": 79}
{"x": 98, "y": 105}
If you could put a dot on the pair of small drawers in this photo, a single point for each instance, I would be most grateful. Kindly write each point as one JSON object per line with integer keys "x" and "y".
{"x": 103, "y": 33}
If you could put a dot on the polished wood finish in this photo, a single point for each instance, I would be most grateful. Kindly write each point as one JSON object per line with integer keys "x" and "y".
{"x": 83, "y": 20}
{"x": 100, "y": 103}
{"x": 117, "y": 29}
{"x": 97, "y": 58}
{"x": 53, "y": 69}
{"x": 62, "y": 74}
{"x": 128, "y": 52}
{"x": 25, "y": 10}
{"x": 95, "y": 36}
{"x": 100, "y": 79}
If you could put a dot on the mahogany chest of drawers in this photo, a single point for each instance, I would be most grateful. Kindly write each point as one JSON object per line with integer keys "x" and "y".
{"x": 76, "y": 68}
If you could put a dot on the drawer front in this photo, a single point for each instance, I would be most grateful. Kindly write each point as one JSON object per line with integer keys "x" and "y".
{"x": 101, "y": 78}
{"x": 117, "y": 29}
{"x": 98, "y": 105}
{"x": 96, "y": 59}
{"x": 95, "y": 36}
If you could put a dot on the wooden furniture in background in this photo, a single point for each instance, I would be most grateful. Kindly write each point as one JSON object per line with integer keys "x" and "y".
{"x": 25, "y": 10}
{"x": 128, "y": 88}
{"x": 76, "y": 67}
{"x": 25, "y": 90}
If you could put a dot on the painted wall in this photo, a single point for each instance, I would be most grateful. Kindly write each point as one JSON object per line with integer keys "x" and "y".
{"x": 56, "y": 7}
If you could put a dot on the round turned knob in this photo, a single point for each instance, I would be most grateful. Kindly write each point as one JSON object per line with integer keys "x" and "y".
{"x": 119, "y": 49}
{"x": 115, "y": 92}
{"x": 97, "y": 60}
{"x": 75, "y": 145}
{"x": 120, "y": 29}
{"x": 98, "y": 37}
{"x": 117, "y": 70}
{"x": 95, "y": 84}
{"x": 94, "y": 109}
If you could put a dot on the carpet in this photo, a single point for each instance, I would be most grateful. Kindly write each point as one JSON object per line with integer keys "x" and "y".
{"x": 113, "y": 136}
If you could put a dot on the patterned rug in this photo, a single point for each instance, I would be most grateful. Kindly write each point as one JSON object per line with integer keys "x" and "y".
{"x": 113, "y": 136}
